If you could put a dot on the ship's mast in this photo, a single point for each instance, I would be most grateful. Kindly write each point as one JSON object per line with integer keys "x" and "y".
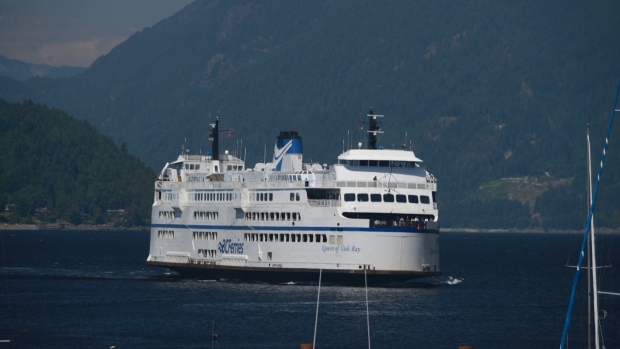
{"x": 213, "y": 137}
{"x": 374, "y": 128}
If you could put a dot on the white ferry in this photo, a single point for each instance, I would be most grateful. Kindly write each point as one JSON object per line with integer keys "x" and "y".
{"x": 373, "y": 213}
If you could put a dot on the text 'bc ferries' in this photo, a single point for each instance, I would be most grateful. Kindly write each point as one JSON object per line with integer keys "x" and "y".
{"x": 373, "y": 213}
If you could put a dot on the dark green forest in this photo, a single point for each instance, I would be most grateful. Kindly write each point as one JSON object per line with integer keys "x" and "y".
{"x": 484, "y": 91}
{"x": 54, "y": 168}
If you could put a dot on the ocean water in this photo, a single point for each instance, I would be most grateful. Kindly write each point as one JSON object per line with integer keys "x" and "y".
{"x": 93, "y": 289}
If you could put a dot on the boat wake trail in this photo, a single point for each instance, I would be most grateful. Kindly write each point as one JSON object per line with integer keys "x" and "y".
{"x": 71, "y": 274}
{"x": 452, "y": 281}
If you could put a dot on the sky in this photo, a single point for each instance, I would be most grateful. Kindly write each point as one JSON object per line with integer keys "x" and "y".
{"x": 74, "y": 32}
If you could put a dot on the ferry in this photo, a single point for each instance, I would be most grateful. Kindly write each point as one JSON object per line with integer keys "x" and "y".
{"x": 370, "y": 218}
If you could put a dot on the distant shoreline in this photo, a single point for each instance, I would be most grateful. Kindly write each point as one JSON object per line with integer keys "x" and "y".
{"x": 23, "y": 227}
{"x": 30, "y": 227}
{"x": 527, "y": 231}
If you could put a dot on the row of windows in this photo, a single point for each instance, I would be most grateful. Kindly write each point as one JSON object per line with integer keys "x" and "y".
{"x": 285, "y": 237}
{"x": 165, "y": 234}
{"x": 192, "y": 166}
{"x": 213, "y": 196}
{"x": 166, "y": 214}
{"x": 377, "y": 163}
{"x": 273, "y": 216}
{"x": 293, "y": 177}
{"x": 171, "y": 196}
{"x": 204, "y": 235}
{"x": 234, "y": 168}
{"x": 413, "y": 199}
{"x": 261, "y": 196}
{"x": 269, "y": 197}
{"x": 206, "y": 215}
{"x": 207, "y": 253}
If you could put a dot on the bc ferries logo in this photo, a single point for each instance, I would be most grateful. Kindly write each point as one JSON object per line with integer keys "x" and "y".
{"x": 277, "y": 153}
{"x": 227, "y": 246}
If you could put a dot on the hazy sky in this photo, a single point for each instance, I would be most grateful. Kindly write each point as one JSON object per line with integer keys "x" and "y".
{"x": 74, "y": 32}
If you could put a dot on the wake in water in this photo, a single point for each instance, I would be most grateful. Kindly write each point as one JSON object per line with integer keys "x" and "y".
{"x": 453, "y": 281}
{"x": 76, "y": 274}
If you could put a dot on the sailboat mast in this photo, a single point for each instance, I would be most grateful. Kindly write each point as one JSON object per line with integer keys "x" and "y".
{"x": 588, "y": 226}
{"x": 593, "y": 255}
{"x": 589, "y": 202}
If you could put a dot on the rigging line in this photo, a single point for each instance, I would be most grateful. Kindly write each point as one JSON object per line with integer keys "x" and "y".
{"x": 367, "y": 314}
{"x": 588, "y": 226}
{"x": 316, "y": 319}
{"x": 6, "y": 283}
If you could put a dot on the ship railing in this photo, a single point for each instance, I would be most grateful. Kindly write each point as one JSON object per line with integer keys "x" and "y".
{"x": 292, "y": 184}
{"x": 386, "y": 184}
{"x": 323, "y": 203}
{"x": 237, "y": 185}
{"x": 398, "y": 223}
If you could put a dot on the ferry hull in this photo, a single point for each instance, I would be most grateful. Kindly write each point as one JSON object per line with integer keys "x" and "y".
{"x": 281, "y": 275}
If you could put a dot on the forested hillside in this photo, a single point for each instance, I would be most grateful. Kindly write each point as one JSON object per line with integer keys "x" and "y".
{"x": 55, "y": 168}
{"x": 494, "y": 96}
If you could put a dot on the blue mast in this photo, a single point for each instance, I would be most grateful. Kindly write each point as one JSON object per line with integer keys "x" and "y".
{"x": 588, "y": 226}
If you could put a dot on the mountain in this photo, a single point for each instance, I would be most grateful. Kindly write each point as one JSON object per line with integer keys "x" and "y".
{"x": 494, "y": 96}
{"x": 23, "y": 71}
{"x": 56, "y": 168}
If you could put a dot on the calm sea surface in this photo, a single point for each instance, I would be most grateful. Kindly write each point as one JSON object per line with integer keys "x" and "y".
{"x": 92, "y": 289}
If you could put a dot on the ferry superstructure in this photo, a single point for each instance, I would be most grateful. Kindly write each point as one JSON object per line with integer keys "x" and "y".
{"x": 373, "y": 213}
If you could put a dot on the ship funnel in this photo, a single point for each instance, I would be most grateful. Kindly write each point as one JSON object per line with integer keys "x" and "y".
{"x": 288, "y": 152}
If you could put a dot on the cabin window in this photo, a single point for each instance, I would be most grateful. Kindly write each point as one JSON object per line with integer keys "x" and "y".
{"x": 332, "y": 239}
{"x": 413, "y": 199}
{"x": 388, "y": 197}
{"x": 339, "y": 239}
{"x": 363, "y": 162}
{"x": 375, "y": 197}
{"x": 269, "y": 256}
{"x": 296, "y": 196}
{"x": 384, "y": 163}
{"x": 401, "y": 198}
{"x": 270, "y": 196}
{"x": 362, "y": 197}
{"x": 349, "y": 197}
{"x": 434, "y": 196}
{"x": 425, "y": 199}
{"x": 373, "y": 163}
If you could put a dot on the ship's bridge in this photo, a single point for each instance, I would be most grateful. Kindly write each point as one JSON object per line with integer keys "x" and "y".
{"x": 379, "y": 158}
